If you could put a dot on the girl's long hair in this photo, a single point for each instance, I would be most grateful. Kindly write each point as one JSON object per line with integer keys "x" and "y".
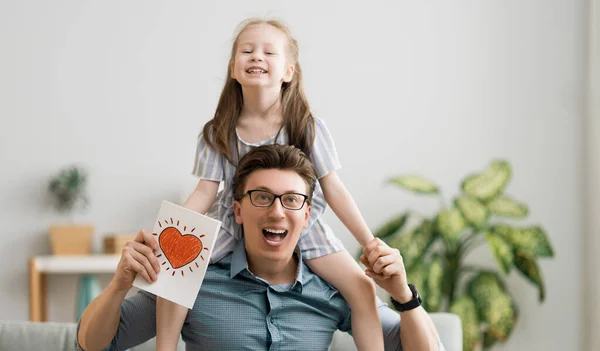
{"x": 297, "y": 118}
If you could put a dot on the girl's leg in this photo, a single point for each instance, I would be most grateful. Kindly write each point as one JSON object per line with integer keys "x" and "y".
{"x": 169, "y": 321}
{"x": 340, "y": 270}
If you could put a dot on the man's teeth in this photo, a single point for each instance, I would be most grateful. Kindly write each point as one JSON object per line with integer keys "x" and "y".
{"x": 275, "y": 235}
{"x": 254, "y": 70}
{"x": 275, "y": 231}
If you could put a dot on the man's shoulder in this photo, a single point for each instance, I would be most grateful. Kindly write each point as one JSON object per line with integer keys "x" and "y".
{"x": 222, "y": 267}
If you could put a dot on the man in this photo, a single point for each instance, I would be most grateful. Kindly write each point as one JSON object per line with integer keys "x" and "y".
{"x": 261, "y": 296}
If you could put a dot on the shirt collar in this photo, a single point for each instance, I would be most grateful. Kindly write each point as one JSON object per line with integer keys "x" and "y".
{"x": 239, "y": 263}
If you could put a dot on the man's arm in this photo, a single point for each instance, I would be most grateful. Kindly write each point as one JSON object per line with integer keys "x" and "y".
{"x": 100, "y": 320}
{"x": 386, "y": 267}
{"x": 418, "y": 331}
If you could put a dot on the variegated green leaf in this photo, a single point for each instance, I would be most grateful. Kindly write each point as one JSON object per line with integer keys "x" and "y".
{"x": 392, "y": 226}
{"x": 494, "y": 305}
{"x": 426, "y": 229}
{"x": 416, "y": 183}
{"x": 503, "y": 316}
{"x": 414, "y": 243}
{"x": 489, "y": 183}
{"x": 481, "y": 287}
{"x": 502, "y": 251}
{"x": 485, "y": 283}
{"x": 464, "y": 308}
{"x": 451, "y": 224}
{"x": 434, "y": 284}
{"x": 488, "y": 339}
{"x": 530, "y": 240}
{"x": 527, "y": 265}
{"x": 405, "y": 242}
{"x": 472, "y": 210}
{"x": 507, "y": 207}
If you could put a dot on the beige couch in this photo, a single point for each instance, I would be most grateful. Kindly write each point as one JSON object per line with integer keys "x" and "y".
{"x": 18, "y": 335}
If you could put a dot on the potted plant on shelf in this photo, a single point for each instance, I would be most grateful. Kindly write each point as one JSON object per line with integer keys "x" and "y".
{"x": 434, "y": 249}
{"x": 68, "y": 193}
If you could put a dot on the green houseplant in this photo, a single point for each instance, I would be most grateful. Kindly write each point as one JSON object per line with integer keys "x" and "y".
{"x": 68, "y": 189}
{"x": 68, "y": 192}
{"x": 434, "y": 250}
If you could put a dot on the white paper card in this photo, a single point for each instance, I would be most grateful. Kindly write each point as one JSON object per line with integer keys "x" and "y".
{"x": 186, "y": 240}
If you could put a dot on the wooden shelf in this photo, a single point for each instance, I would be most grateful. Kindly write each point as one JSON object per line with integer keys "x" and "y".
{"x": 77, "y": 264}
{"x": 40, "y": 266}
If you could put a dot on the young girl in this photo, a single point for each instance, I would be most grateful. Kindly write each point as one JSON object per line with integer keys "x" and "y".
{"x": 263, "y": 102}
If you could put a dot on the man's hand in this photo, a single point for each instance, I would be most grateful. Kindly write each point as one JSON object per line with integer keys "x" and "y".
{"x": 137, "y": 257}
{"x": 385, "y": 265}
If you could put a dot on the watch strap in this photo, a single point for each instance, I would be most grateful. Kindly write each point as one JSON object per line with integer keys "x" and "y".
{"x": 412, "y": 304}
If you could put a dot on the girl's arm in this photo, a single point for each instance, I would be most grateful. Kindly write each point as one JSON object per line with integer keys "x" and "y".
{"x": 344, "y": 207}
{"x": 203, "y": 197}
{"x": 354, "y": 285}
{"x": 356, "y": 288}
{"x": 169, "y": 315}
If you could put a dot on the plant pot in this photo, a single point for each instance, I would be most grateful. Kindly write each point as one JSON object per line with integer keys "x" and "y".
{"x": 71, "y": 239}
{"x": 114, "y": 243}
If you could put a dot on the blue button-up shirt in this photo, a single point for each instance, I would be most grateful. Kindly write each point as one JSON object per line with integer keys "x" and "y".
{"x": 236, "y": 310}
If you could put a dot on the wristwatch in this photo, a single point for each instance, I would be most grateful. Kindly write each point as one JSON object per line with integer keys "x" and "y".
{"x": 414, "y": 303}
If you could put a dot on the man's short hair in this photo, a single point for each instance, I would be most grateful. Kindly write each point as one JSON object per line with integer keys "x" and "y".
{"x": 277, "y": 156}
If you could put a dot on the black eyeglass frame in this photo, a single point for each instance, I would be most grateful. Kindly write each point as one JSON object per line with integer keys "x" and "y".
{"x": 275, "y": 196}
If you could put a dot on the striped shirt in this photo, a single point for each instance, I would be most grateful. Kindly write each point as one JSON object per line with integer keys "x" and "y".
{"x": 317, "y": 239}
{"x": 236, "y": 310}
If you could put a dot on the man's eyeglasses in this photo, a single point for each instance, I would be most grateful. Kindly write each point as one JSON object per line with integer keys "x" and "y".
{"x": 264, "y": 198}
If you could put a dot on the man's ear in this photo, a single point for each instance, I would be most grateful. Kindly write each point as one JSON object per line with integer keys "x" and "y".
{"x": 237, "y": 210}
{"x": 289, "y": 74}
{"x": 307, "y": 215}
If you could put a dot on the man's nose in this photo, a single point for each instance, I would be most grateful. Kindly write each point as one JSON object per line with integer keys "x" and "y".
{"x": 276, "y": 210}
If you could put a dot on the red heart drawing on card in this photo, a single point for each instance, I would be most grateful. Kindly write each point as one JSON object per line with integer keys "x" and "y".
{"x": 179, "y": 249}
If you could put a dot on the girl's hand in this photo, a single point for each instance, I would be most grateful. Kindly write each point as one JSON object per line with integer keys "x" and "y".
{"x": 137, "y": 257}
{"x": 385, "y": 265}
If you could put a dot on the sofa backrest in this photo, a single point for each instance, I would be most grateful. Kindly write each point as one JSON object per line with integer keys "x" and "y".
{"x": 21, "y": 335}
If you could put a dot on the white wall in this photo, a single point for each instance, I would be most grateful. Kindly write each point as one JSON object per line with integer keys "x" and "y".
{"x": 592, "y": 184}
{"x": 438, "y": 89}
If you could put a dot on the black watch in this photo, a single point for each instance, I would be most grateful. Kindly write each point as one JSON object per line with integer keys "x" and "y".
{"x": 414, "y": 303}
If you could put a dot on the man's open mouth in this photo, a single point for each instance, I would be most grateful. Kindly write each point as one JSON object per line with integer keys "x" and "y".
{"x": 275, "y": 235}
